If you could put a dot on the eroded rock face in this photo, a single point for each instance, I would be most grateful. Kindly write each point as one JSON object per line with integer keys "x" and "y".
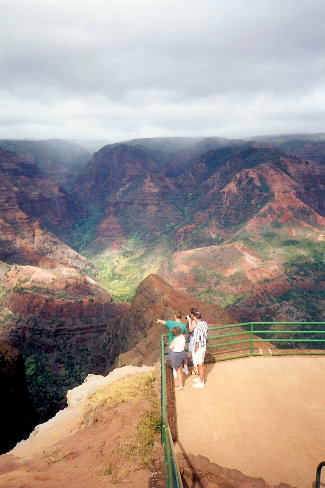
{"x": 28, "y": 203}
{"x": 197, "y": 471}
{"x": 66, "y": 326}
{"x": 156, "y": 299}
{"x": 247, "y": 198}
{"x": 17, "y": 416}
{"x": 113, "y": 167}
{"x": 126, "y": 184}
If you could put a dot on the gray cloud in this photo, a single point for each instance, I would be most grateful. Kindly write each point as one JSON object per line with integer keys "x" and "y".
{"x": 122, "y": 69}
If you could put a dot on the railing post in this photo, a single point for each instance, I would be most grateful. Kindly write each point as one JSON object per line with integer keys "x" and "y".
{"x": 173, "y": 477}
{"x": 318, "y": 474}
{"x": 163, "y": 389}
{"x": 251, "y": 337}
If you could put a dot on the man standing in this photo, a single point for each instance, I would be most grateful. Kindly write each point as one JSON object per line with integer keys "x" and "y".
{"x": 174, "y": 323}
{"x": 191, "y": 326}
{"x": 200, "y": 341}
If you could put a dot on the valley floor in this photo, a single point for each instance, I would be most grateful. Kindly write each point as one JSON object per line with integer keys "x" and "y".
{"x": 263, "y": 416}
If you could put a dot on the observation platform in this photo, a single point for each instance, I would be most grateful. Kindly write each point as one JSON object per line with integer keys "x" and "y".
{"x": 264, "y": 416}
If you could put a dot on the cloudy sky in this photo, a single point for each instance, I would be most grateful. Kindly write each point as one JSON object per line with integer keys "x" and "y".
{"x": 122, "y": 69}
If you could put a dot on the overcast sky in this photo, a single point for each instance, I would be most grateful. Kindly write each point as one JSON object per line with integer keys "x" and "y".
{"x": 117, "y": 70}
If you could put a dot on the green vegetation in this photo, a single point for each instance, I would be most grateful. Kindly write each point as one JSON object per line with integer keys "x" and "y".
{"x": 201, "y": 237}
{"x": 84, "y": 230}
{"x": 120, "y": 272}
{"x": 283, "y": 332}
{"x": 132, "y": 187}
{"x": 218, "y": 297}
{"x": 238, "y": 278}
{"x": 2, "y": 293}
{"x": 259, "y": 246}
{"x": 304, "y": 271}
{"x": 310, "y": 265}
{"x": 264, "y": 187}
{"x": 308, "y": 249}
{"x": 49, "y": 293}
{"x": 51, "y": 372}
{"x": 139, "y": 447}
{"x": 45, "y": 385}
{"x": 199, "y": 274}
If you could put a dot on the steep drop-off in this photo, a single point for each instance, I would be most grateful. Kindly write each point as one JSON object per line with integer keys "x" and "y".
{"x": 17, "y": 416}
{"x": 65, "y": 325}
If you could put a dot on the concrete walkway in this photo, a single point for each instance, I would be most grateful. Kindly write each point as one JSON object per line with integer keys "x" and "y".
{"x": 264, "y": 416}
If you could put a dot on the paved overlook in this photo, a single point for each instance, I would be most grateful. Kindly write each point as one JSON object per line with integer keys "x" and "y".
{"x": 263, "y": 416}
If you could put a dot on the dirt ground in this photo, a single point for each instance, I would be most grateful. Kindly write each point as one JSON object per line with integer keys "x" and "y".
{"x": 256, "y": 418}
{"x": 83, "y": 459}
{"x": 263, "y": 416}
{"x": 63, "y": 453}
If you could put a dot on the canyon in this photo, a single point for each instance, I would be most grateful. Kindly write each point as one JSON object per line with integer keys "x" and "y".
{"x": 93, "y": 248}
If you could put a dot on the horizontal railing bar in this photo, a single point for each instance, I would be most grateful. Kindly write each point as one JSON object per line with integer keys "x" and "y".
{"x": 293, "y": 322}
{"x": 287, "y": 332}
{"x": 230, "y": 357}
{"x": 246, "y": 332}
{"x": 229, "y": 343}
{"x": 219, "y": 327}
{"x": 268, "y": 323}
{"x": 274, "y": 333}
{"x": 215, "y": 326}
{"x": 258, "y": 339}
{"x": 268, "y": 332}
{"x": 295, "y": 353}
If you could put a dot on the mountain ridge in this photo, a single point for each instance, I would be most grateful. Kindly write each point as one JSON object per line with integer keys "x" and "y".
{"x": 236, "y": 224}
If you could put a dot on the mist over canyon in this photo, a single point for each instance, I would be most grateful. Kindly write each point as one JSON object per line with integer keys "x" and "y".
{"x": 94, "y": 246}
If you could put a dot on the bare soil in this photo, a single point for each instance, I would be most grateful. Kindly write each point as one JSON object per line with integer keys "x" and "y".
{"x": 86, "y": 458}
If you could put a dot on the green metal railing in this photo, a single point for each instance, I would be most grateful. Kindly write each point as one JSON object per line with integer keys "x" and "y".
{"x": 290, "y": 338}
{"x": 318, "y": 474}
{"x": 173, "y": 477}
{"x": 230, "y": 343}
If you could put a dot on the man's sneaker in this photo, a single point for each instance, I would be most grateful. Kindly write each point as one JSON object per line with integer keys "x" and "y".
{"x": 185, "y": 370}
{"x": 199, "y": 384}
{"x": 174, "y": 373}
{"x": 196, "y": 380}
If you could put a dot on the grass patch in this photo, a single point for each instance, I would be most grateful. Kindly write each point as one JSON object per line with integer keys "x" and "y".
{"x": 139, "y": 447}
{"x": 131, "y": 389}
{"x": 218, "y": 297}
{"x": 2, "y": 293}
{"x": 115, "y": 472}
{"x": 136, "y": 448}
{"x": 121, "y": 272}
{"x": 238, "y": 278}
{"x": 54, "y": 456}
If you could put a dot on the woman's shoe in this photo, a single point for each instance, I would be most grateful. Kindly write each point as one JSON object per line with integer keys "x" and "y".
{"x": 185, "y": 370}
